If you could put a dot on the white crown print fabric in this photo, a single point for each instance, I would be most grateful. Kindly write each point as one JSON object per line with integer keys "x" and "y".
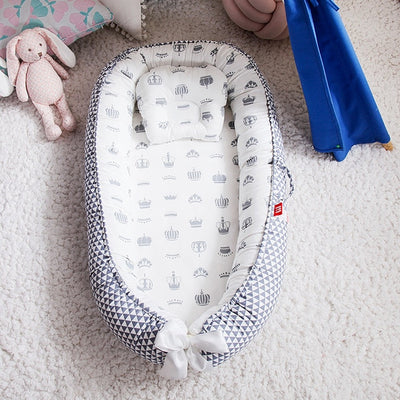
{"x": 182, "y": 102}
{"x": 190, "y": 224}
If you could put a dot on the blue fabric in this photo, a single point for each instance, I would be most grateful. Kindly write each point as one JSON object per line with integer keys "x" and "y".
{"x": 341, "y": 108}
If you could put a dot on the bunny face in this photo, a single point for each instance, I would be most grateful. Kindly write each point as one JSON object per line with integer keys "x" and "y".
{"x": 31, "y": 47}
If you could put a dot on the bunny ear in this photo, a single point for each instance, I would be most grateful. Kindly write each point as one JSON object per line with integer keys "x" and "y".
{"x": 60, "y": 49}
{"x": 3, "y": 63}
{"x": 12, "y": 59}
{"x": 5, "y": 85}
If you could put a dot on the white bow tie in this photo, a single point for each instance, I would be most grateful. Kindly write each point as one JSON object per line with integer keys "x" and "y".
{"x": 184, "y": 348}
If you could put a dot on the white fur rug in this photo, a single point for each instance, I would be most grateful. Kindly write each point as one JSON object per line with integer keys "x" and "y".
{"x": 335, "y": 333}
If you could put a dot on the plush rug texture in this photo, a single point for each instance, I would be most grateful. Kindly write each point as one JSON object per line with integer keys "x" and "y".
{"x": 335, "y": 332}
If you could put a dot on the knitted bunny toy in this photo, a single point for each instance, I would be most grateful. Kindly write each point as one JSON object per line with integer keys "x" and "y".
{"x": 38, "y": 76}
{"x": 266, "y": 18}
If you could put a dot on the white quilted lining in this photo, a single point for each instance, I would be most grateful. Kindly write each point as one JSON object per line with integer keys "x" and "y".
{"x": 126, "y": 160}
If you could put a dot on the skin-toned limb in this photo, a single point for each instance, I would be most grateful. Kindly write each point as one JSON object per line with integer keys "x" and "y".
{"x": 52, "y": 130}
{"x": 57, "y": 67}
{"x": 69, "y": 122}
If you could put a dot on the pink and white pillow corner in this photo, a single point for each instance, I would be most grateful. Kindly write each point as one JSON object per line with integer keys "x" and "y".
{"x": 69, "y": 19}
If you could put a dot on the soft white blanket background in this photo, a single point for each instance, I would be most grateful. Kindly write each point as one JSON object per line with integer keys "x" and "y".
{"x": 335, "y": 333}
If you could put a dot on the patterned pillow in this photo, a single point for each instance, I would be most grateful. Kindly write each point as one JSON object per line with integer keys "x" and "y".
{"x": 69, "y": 19}
{"x": 182, "y": 102}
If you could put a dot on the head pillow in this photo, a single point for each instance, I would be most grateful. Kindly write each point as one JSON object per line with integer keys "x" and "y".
{"x": 182, "y": 102}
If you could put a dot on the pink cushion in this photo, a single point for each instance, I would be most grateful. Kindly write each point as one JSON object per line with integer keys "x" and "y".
{"x": 69, "y": 19}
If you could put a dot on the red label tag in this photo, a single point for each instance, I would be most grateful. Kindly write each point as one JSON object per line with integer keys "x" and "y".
{"x": 278, "y": 209}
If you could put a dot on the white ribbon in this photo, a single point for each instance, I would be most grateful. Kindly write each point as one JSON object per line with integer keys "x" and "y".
{"x": 184, "y": 348}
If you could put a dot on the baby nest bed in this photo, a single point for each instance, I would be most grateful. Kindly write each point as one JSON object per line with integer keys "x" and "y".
{"x": 186, "y": 192}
